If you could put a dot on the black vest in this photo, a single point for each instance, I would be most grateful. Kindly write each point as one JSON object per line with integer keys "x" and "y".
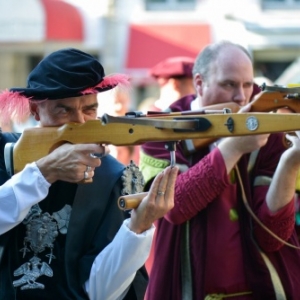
{"x": 94, "y": 221}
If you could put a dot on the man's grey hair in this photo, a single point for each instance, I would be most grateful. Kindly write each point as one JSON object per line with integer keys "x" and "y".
{"x": 209, "y": 54}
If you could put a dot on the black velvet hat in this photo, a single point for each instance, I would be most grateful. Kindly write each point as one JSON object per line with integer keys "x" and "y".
{"x": 63, "y": 74}
{"x": 66, "y": 73}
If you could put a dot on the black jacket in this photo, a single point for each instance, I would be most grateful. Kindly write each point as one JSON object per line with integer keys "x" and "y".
{"x": 94, "y": 221}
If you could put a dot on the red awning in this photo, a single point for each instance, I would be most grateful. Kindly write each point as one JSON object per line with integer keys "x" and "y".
{"x": 40, "y": 21}
{"x": 64, "y": 21}
{"x": 149, "y": 44}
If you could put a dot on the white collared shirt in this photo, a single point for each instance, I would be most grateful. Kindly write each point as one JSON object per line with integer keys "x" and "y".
{"x": 195, "y": 104}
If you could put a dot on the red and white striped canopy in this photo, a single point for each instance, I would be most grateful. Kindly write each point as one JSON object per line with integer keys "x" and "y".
{"x": 40, "y": 20}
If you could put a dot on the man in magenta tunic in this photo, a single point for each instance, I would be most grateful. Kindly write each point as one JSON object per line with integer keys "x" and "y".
{"x": 209, "y": 246}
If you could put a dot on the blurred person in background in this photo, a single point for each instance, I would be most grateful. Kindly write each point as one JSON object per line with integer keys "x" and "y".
{"x": 174, "y": 78}
{"x": 117, "y": 103}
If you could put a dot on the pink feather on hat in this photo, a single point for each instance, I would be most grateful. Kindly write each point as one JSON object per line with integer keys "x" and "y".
{"x": 112, "y": 80}
{"x": 13, "y": 106}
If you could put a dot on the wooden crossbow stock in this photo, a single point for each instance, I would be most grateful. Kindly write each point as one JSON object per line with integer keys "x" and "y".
{"x": 200, "y": 127}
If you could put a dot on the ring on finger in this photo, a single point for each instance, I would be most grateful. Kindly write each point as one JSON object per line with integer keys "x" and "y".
{"x": 160, "y": 193}
{"x": 88, "y": 168}
{"x": 85, "y": 175}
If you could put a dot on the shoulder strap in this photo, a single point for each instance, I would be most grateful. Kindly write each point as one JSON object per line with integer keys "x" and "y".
{"x": 8, "y": 141}
{"x": 9, "y": 158}
{"x": 252, "y": 160}
{"x": 275, "y": 279}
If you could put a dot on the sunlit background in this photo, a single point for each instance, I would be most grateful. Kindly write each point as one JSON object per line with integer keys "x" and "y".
{"x": 130, "y": 36}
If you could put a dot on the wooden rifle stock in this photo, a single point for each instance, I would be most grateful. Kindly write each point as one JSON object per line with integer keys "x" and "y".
{"x": 270, "y": 99}
{"x": 192, "y": 146}
{"x": 274, "y": 98}
{"x": 36, "y": 143}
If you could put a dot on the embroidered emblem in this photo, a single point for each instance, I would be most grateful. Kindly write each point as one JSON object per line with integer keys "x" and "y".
{"x": 31, "y": 271}
{"x": 133, "y": 180}
{"x": 62, "y": 218}
{"x": 41, "y": 232}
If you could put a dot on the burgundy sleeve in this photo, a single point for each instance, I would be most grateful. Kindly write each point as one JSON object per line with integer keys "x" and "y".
{"x": 198, "y": 186}
{"x": 280, "y": 223}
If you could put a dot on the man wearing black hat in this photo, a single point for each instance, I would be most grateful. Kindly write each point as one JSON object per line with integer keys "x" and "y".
{"x": 60, "y": 239}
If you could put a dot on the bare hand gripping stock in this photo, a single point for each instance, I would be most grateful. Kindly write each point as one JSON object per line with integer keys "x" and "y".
{"x": 135, "y": 129}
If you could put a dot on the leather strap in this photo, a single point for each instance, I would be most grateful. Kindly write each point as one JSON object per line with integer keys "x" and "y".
{"x": 262, "y": 180}
{"x": 255, "y": 217}
{"x": 224, "y": 296}
{"x": 252, "y": 160}
{"x": 277, "y": 285}
{"x": 186, "y": 272}
{"x": 9, "y": 158}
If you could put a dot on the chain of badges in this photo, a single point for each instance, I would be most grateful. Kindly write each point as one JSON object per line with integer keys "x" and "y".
{"x": 133, "y": 180}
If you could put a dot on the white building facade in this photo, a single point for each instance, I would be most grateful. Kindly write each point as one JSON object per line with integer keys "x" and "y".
{"x": 130, "y": 36}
